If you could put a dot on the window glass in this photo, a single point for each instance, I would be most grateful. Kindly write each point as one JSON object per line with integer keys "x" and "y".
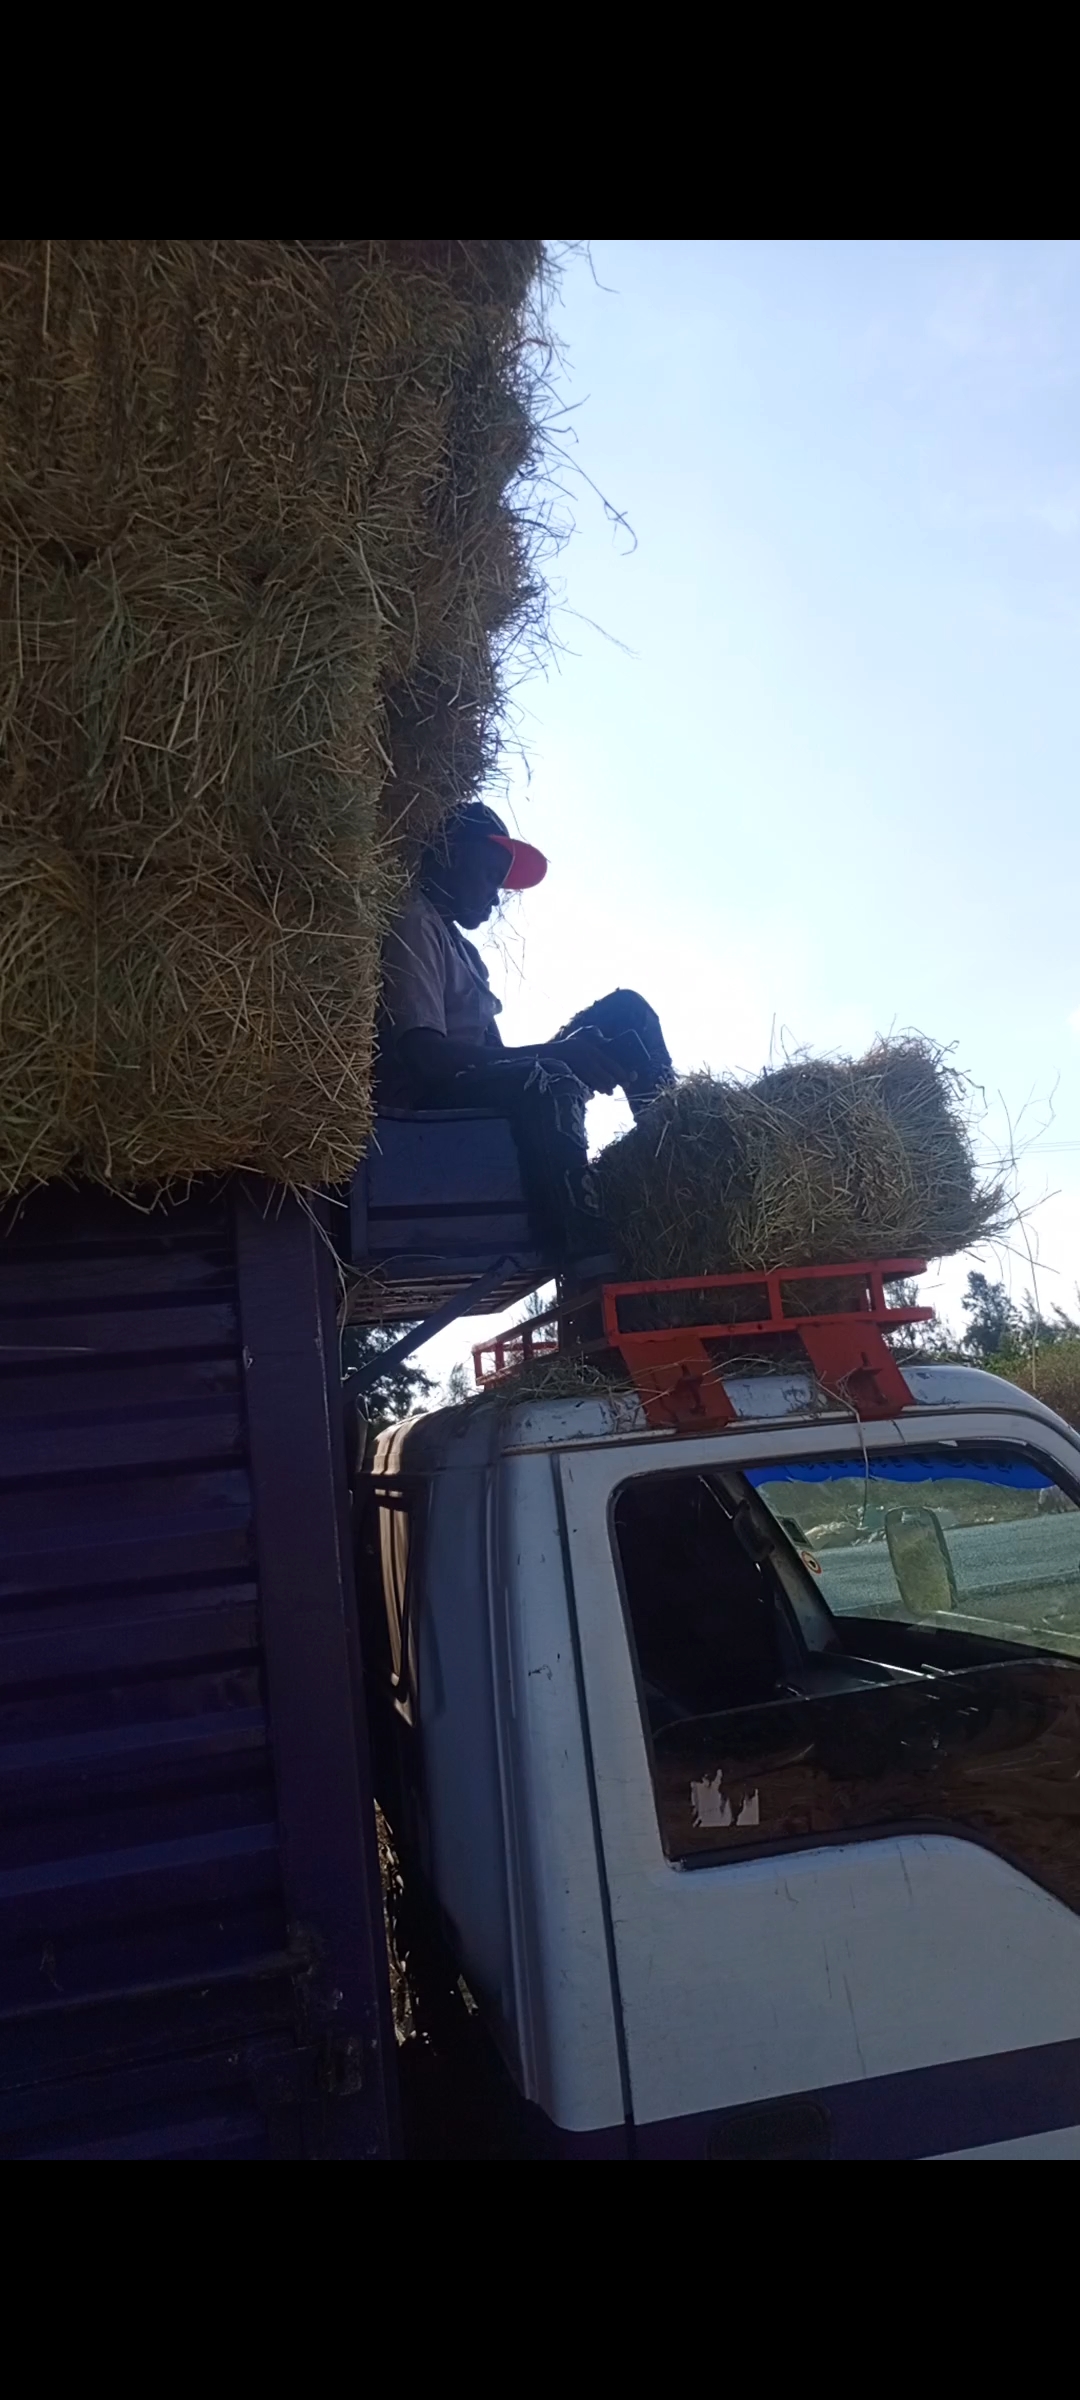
{"x": 950, "y": 1532}
{"x": 828, "y": 1644}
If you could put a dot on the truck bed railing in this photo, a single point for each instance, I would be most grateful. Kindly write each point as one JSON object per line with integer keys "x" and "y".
{"x": 675, "y": 1337}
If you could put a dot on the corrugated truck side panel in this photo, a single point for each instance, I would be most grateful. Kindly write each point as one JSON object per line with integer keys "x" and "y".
{"x": 190, "y": 1944}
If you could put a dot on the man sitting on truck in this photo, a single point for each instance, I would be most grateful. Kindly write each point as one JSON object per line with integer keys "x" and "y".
{"x": 440, "y": 1045}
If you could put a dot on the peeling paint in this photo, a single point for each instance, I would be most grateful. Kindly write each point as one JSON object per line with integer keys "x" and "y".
{"x": 711, "y": 1805}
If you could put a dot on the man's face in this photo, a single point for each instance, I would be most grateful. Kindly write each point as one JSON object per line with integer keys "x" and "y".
{"x": 472, "y": 878}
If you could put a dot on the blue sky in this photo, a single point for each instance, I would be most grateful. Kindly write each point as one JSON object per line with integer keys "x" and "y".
{"x": 816, "y": 778}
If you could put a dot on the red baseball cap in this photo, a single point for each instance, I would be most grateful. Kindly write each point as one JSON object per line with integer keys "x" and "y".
{"x": 527, "y": 865}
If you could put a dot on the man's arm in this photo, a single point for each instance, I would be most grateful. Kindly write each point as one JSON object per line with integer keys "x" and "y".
{"x": 436, "y": 1057}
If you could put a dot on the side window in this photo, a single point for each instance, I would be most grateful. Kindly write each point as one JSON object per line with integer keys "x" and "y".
{"x": 704, "y": 1612}
{"x": 977, "y": 1540}
{"x": 825, "y": 1646}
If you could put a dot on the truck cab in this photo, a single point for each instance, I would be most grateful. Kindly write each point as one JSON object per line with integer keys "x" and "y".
{"x": 743, "y": 1765}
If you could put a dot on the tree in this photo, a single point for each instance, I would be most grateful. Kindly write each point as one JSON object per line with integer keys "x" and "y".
{"x": 538, "y": 1303}
{"x": 402, "y": 1389}
{"x": 999, "y": 1329}
{"x": 996, "y": 1328}
{"x": 1045, "y": 1331}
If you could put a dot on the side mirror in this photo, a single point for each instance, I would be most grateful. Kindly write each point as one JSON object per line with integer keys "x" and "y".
{"x": 920, "y": 1561}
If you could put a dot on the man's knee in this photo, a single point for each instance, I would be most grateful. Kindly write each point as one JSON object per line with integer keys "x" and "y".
{"x": 551, "y": 1074}
{"x": 636, "y": 1014}
{"x": 622, "y": 1012}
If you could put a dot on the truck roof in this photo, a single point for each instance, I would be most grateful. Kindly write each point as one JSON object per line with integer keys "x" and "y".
{"x": 475, "y": 1431}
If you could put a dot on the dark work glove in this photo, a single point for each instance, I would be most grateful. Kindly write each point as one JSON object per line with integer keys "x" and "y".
{"x": 636, "y": 1069}
{"x": 591, "y": 1058}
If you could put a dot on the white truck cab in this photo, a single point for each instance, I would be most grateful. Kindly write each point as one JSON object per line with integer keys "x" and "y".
{"x": 744, "y": 1765}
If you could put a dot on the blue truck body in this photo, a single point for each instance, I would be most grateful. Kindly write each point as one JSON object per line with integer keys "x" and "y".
{"x": 191, "y": 1956}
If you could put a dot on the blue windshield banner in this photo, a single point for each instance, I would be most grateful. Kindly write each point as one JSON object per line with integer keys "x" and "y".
{"x": 925, "y": 1466}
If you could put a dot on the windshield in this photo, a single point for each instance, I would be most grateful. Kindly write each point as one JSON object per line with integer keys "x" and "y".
{"x": 983, "y": 1537}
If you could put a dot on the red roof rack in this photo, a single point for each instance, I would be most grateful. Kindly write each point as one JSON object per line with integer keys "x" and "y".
{"x": 680, "y": 1380}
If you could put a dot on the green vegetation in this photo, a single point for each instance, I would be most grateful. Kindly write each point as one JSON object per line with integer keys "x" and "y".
{"x": 1052, "y": 1373}
{"x": 398, "y": 1393}
{"x": 1012, "y": 1339}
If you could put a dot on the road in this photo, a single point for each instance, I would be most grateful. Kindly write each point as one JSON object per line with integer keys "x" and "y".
{"x": 1025, "y": 1572}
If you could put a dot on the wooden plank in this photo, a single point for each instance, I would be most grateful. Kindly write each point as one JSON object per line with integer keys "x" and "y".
{"x": 106, "y": 1332}
{"x": 70, "y": 1389}
{"x": 210, "y": 1433}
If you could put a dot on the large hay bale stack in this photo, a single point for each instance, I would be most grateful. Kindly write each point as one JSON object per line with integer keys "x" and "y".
{"x": 817, "y": 1161}
{"x": 259, "y": 560}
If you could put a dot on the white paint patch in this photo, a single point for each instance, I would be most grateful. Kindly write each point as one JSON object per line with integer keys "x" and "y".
{"x": 712, "y": 1807}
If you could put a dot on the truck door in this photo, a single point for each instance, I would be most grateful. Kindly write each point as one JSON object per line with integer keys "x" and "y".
{"x": 833, "y": 1694}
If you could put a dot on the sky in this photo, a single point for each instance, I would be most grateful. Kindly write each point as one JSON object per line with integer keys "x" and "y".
{"x": 804, "y": 756}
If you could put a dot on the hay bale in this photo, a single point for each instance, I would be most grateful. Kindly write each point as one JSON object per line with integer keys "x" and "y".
{"x": 815, "y": 1161}
{"x": 259, "y": 564}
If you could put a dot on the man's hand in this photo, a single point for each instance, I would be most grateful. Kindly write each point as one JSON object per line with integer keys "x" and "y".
{"x": 591, "y": 1057}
